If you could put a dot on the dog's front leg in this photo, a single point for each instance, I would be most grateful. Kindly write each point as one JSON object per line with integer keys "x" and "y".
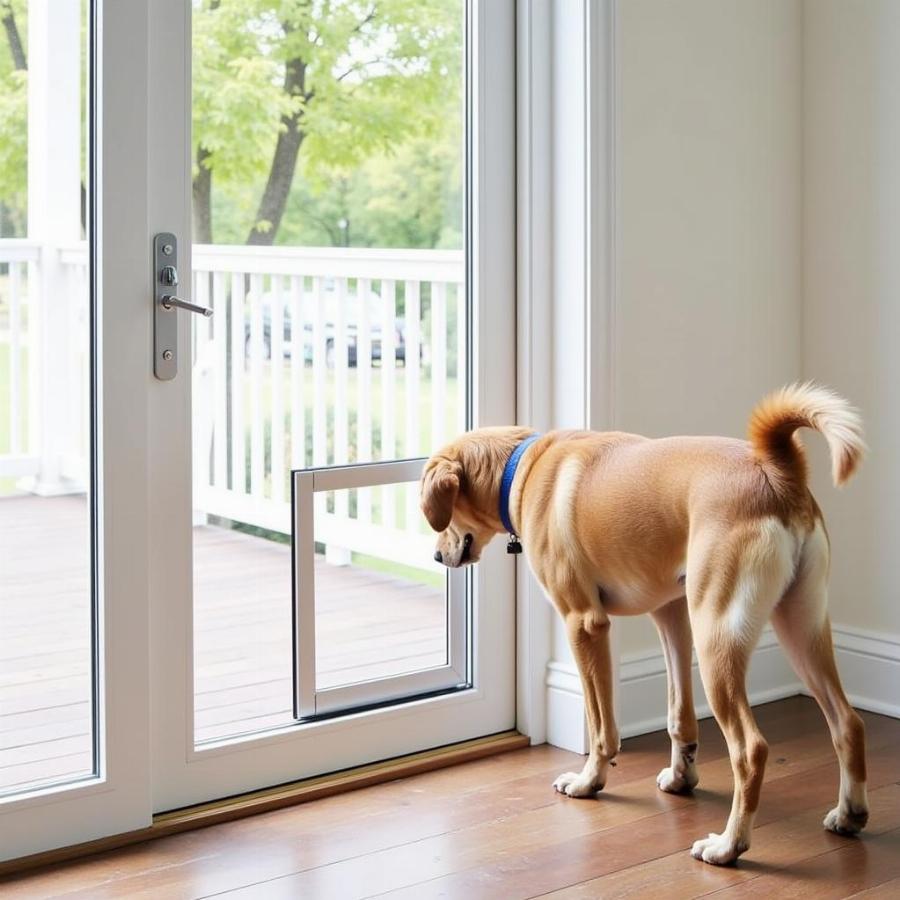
{"x": 588, "y": 633}
{"x": 674, "y": 628}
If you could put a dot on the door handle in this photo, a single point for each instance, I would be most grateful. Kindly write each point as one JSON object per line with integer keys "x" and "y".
{"x": 165, "y": 306}
{"x": 170, "y": 300}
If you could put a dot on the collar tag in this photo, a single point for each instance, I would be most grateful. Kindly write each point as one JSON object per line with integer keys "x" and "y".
{"x": 513, "y": 546}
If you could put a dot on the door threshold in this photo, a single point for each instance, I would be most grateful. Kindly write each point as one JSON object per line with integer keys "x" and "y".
{"x": 291, "y": 794}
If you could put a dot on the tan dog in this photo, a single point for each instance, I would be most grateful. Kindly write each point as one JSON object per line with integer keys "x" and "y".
{"x": 711, "y": 536}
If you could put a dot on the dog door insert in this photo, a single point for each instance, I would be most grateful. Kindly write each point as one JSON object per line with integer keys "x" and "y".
{"x": 381, "y": 621}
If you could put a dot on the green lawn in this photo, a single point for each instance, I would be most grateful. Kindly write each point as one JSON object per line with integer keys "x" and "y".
{"x": 406, "y": 573}
{"x": 422, "y": 445}
{"x": 7, "y": 485}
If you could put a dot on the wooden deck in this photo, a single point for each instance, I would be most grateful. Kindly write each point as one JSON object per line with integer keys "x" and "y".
{"x": 367, "y": 625}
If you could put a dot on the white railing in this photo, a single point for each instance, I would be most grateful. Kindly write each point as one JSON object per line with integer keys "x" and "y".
{"x": 44, "y": 358}
{"x": 324, "y": 357}
{"x": 313, "y": 357}
{"x": 18, "y": 333}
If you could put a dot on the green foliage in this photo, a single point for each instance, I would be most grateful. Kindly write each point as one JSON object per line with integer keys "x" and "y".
{"x": 13, "y": 130}
{"x": 411, "y": 198}
{"x": 380, "y": 112}
{"x": 14, "y": 152}
{"x": 379, "y": 109}
{"x": 237, "y": 98}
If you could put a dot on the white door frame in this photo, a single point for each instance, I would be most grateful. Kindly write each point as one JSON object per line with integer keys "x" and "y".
{"x": 566, "y": 296}
{"x": 183, "y": 774}
{"x": 118, "y": 798}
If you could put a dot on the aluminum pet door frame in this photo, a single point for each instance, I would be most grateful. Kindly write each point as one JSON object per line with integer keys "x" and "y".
{"x": 310, "y": 702}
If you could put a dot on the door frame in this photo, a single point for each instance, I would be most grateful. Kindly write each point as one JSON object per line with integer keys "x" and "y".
{"x": 183, "y": 774}
{"x": 567, "y": 295}
{"x": 117, "y": 798}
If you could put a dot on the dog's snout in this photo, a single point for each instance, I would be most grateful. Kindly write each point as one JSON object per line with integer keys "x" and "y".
{"x": 437, "y": 556}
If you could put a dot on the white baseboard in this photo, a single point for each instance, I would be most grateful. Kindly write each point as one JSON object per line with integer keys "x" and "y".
{"x": 869, "y": 664}
{"x": 566, "y": 723}
{"x": 642, "y": 686}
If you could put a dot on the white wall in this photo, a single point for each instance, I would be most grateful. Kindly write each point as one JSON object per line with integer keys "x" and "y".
{"x": 708, "y": 220}
{"x": 851, "y": 310}
{"x": 757, "y": 224}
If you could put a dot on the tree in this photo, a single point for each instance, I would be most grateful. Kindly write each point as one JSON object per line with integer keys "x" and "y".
{"x": 409, "y": 197}
{"x": 341, "y": 81}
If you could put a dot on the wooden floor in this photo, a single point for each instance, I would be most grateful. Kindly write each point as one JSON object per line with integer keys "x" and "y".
{"x": 495, "y": 828}
{"x": 367, "y": 625}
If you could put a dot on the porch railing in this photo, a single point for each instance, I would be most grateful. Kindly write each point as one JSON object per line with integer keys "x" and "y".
{"x": 313, "y": 357}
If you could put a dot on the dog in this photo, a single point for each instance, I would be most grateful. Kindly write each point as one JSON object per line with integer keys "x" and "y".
{"x": 711, "y": 536}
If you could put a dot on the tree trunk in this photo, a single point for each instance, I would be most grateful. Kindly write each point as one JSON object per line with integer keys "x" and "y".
{"x": 13, "y": 38}
{"x": 284, "y": 162}
{"x": 201, "y": 189}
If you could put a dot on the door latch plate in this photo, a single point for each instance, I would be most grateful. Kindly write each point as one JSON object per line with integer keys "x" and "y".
{"x": 165, "y": 321}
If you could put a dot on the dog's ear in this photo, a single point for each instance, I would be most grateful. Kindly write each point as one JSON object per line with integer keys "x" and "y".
{"x": 440, "y": 488}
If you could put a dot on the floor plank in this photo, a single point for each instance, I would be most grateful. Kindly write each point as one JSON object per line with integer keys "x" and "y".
{"x": 495, "y": 828}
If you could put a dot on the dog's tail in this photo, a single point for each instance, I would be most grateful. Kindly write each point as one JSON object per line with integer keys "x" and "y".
{"x": 778, "y": 416}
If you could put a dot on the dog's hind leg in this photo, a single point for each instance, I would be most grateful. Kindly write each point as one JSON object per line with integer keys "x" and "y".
{"x": 588, "y": 632}
{"x": 801, "y": 623}
{"x": 734, "y": 581}
{"x": 674, "y": 628}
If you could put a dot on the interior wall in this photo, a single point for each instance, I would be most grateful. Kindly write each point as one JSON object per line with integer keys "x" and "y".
{"x": 708, "y": 220}
{"x": 851, "y": 309}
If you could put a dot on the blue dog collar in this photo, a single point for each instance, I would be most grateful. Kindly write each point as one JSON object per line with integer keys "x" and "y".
{"x": 509, "y": 473}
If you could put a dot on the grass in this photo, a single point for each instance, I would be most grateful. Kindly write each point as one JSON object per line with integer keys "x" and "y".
{"x": 8, "y": 485}
{"x": 407, "y": 573}
{"x": 422, "y": 443}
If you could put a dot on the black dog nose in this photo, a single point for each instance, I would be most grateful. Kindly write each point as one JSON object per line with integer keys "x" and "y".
{"x": 437, "y": 556}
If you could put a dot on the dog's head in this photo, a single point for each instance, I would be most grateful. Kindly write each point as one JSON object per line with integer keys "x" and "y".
{"x": 459, "y": 493}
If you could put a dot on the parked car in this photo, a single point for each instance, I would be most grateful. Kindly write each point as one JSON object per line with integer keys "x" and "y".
{"x": 330, "y": 322}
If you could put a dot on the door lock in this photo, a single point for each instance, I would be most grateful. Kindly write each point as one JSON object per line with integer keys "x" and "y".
{"x": 166, "y": 306}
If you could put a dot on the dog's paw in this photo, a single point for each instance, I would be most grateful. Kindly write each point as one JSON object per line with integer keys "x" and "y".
{"x": 575, "y": 784}
{"x": 717, "y": 850}
{"x": 846, "y": 822}
{"x": 673, "y": 782}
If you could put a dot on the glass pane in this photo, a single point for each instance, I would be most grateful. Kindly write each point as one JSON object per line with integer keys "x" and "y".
{"x": 47, "y": 718}
{"x": 381, "y": 601}
{"x": 328, "y": 212}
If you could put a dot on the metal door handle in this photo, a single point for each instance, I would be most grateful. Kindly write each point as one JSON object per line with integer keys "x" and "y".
{"x": 170, "y": 300}
{"x": 165, "y": 306}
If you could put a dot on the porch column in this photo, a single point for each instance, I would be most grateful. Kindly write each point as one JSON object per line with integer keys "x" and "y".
{"x": 54, "y": 221}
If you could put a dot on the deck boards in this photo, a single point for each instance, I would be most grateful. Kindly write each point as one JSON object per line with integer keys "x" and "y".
{"x": 368, "y": 625}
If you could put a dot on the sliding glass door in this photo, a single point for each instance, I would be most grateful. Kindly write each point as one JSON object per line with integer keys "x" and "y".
{"x": 342, "y": 206}
{"x": 256, "y": 264}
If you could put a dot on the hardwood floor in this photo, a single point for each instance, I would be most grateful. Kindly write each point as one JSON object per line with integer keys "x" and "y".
{"x": 495, "y": 828}
{"x": 368, "y": 625}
